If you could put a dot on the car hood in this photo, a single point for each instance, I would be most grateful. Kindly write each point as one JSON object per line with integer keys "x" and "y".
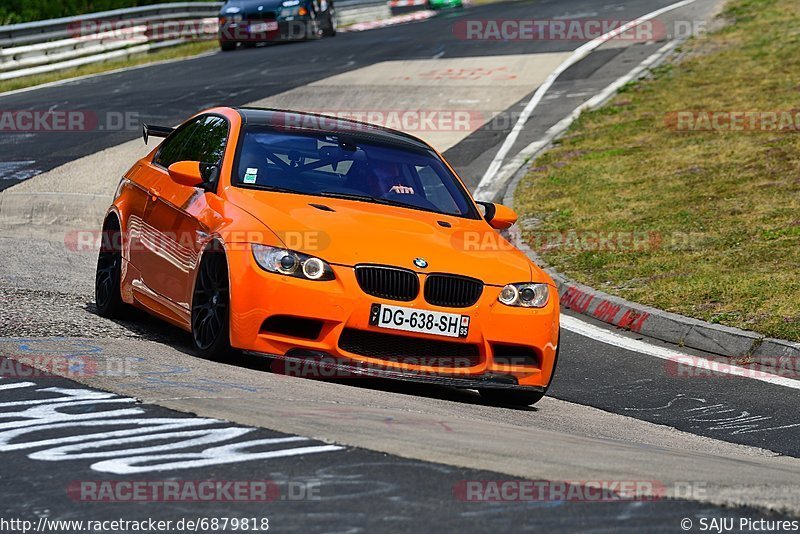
{"x": 349, "y": 232}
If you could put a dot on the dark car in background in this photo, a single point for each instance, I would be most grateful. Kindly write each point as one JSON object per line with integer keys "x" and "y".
{"x": 250, "y": 22}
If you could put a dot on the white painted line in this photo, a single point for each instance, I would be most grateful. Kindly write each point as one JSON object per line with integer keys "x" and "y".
{"x": 609, "y": 337}
{"x": 16, "y": 386}
{"x": 532, "y": 150}
{"x": 579, "y": 53}
{"x": 142, "y": 426}
{"x": 209, "y": 457}
{"x": 151, "y": 445}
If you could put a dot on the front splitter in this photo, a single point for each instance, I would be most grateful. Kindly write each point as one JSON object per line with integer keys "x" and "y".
{"x": 316, "y": 364}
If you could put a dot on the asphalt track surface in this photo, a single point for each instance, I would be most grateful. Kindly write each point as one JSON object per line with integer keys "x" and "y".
{"x": 354, "y": 490}
{"x": 166, "y": 93}
{"x": 609, "y": 392}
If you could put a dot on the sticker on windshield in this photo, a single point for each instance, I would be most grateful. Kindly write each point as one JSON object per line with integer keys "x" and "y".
{"x": 250, "y": 175}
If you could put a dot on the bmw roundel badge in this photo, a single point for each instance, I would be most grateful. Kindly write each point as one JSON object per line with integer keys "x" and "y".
{"x": 420, "y": 262}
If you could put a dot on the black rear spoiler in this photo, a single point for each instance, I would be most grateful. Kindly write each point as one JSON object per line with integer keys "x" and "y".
{"x": 155, "y": 131}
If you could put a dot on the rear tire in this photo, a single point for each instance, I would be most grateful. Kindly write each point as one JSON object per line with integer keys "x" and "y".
{"x": 211, "y": 307}
{"x": 227, "y": 46}
{"x": 107, "y": 295}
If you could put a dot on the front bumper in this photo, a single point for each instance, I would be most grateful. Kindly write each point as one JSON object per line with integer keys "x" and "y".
{"x": 340, "y": 305}
{"x": 287, "y": 30}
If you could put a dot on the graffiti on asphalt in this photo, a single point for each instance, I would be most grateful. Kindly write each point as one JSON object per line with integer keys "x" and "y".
{"x": 118, "y": 435}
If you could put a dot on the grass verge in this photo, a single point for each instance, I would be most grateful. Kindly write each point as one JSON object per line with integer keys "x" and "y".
{"x": 175, "y": 52}
{"x": 704, "y": 223}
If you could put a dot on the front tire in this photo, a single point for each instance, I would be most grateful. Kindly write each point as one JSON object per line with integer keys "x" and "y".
{"x": 330, "y": 27}
{"x": 227, "y": 46}
{"x": 211, "y": 307}
{"x": 107, "y": 295}
{"x": 313, "y": 31}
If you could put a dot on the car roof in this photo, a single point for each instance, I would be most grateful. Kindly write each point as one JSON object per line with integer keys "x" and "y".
{"x": 299, "y": 121}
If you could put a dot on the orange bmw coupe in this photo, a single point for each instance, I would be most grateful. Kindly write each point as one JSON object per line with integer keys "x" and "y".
{"x": 311, "y": 239}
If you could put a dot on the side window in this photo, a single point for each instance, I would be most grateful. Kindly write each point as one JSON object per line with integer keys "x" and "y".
{"x": 172, "y": 149}
{"x": 207, "y": 143}
{"x": 202, "y": 140}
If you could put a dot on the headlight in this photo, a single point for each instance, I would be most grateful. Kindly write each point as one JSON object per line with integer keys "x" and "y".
{"x": 525, "y": 295}
{"x": 291, "y": 263}
{"x": 292, "y": 8}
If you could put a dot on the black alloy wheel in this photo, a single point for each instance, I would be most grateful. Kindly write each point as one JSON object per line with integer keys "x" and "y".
{"x": 211, "y": 306}
{"x": 108, "y": 275}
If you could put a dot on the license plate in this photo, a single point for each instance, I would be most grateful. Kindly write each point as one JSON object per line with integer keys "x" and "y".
{"x": 423, "y": 321}
{"x": 263, "y": 27}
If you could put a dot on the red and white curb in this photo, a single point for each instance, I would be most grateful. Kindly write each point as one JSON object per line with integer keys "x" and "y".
{"x": 416, "y": 16}
{"x": 407, "y": 3}
{"x": 683, "y": 331}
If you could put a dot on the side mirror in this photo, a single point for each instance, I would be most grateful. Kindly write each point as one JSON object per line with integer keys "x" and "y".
{"x": 498, "y": 216}
{"x": 186, "y": 173}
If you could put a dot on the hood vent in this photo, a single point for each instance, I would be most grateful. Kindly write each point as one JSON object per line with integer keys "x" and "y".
{"x": 322, "y": 207}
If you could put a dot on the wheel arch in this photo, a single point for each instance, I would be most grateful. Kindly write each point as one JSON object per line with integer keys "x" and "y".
{"x": 216, "y": 245}
{"x": 112, "y": 214}
{"x": 113, "y": 217}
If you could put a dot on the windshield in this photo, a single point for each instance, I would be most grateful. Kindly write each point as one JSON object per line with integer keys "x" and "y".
{"x": 349, "y": 167}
